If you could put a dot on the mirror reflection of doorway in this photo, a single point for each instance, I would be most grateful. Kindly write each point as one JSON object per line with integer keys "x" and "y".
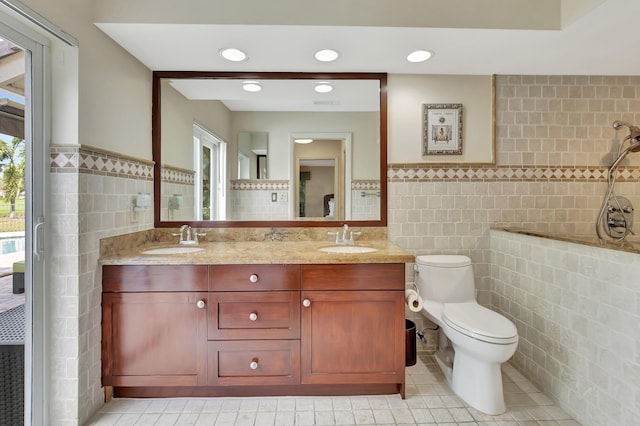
{"x": 320, "y": 179}
{"x": 210, "y": 158}
{"x": 317, "y": 188}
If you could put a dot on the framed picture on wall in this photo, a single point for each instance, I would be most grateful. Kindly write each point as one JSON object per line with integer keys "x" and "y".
{"x": 442, "y": 129}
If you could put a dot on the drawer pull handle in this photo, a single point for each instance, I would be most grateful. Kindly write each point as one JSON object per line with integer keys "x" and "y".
{"x": 306, "y": 303}
{"x": 253, "y": 316}
{"x": 254, "y": 364}
{"x": 200, "y": 304}
{"x": 253, "y": 278}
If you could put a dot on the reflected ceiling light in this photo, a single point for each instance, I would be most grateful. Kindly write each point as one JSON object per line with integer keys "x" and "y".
{"x": 323, "y": 87}
{"x": 251, "y": 86}
{"x": 419, "y": 56}
{"x": 326, "y": 55}
{"x": 232, "y": 54}
{"x": 300, "y": 140}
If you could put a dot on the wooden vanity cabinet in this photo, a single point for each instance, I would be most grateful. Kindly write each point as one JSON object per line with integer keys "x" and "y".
{"x": 220, "y": 330}
{"x": 352, "y": 324}
{"x": 154, "y": 326}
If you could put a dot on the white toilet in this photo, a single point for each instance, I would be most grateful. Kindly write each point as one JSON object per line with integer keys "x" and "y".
{"x": 474, "y": 340}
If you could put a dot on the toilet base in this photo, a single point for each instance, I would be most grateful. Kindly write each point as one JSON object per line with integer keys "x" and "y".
{"x": 446, "y": 368}
{"x": 477, "y": 383}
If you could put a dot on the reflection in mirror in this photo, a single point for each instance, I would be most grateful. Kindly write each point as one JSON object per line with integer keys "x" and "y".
{"x": 252, "y": 155}
{"x": 228, "y": 157}
{"x": 323, "y": 176}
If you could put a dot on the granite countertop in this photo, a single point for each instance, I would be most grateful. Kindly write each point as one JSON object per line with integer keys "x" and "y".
{"x": 259, "y": 252}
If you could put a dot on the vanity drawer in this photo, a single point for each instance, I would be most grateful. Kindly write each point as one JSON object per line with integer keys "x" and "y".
{"x": 372, "y": 276}
{"x": 254, "y": 277}
{"x": 119, "y": 278}
{"x": 256, "y": 362}
{"x": 254, "y": 315}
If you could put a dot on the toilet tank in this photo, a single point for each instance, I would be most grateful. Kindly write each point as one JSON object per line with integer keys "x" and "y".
{"x": 445, "y": 278}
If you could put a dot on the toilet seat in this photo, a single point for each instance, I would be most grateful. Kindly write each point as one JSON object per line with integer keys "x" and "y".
{"x": 480, "y": 323}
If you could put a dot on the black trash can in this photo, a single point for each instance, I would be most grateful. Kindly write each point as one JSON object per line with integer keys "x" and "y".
{"x": 410, "y": 342}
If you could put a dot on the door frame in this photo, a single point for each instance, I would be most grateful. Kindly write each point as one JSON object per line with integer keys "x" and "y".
{"x": 346, "y": 160}
{"x": 37, "y": 131}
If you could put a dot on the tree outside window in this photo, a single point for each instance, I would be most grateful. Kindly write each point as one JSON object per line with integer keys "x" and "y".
{"x": 12, "y": 167}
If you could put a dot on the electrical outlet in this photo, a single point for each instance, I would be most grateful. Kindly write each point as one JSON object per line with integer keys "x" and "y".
{"x": 283, "y": 197}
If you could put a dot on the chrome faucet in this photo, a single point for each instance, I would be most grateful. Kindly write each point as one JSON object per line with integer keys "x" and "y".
{"x": 188, "y": 235}
{"x": 344, "y": 239}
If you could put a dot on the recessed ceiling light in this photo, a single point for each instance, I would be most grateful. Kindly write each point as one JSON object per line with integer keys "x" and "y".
{"x": 419, "y": 56}
{"x": 323, "y": 87}
{"x": 251, "y": 86}
{"x": 234, "y": 55}
{"x": 300, "y": 140}
{"x": 326, "y": 55}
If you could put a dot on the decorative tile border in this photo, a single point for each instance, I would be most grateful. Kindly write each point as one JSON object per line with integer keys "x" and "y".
{"x": 365, "y": 185}
{"x": 176, "y": 175}
{"x": 455, "y": 172}
{"x": 259, "y": 185}
{"x": 87, "y": 159}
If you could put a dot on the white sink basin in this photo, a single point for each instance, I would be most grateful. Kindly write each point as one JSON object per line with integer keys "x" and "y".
{"x": 173, "y": 250}
{"x": 348, "y": 249}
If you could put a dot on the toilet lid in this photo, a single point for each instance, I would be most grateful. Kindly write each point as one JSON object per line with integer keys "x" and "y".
{"x": 479, "y": 322}
{"x": 443, "y": 260}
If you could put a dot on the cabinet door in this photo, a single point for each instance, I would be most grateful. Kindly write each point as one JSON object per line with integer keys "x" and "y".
{"x": 352, "y": 337}
{"x": 154, "y": 339}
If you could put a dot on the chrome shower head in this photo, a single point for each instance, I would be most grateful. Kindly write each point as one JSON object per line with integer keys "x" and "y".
{"x": 634, "y": 134}
{"x": 634, "y": 130}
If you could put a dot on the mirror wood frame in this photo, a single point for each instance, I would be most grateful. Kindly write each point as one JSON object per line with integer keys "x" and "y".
{"x": 156, "y": 139}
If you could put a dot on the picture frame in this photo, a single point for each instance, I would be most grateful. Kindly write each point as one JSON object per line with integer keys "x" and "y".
{"x": 442, "y": 129}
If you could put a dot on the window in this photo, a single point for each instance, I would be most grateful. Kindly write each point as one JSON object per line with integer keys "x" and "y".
{"x": 210, "y": 154}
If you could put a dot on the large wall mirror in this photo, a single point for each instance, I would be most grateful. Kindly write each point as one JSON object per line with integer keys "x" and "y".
{"x": 269, "y": 149}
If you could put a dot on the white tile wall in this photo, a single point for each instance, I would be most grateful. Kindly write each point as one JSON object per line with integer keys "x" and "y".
{"x": 186, "y": 212}
{"x": 577, "y": 311}
{"x": 86, "y": 205}
{"x": 257, "y": 204}
{"x": 365, "y": 207}
{"x": 554, "y": 141}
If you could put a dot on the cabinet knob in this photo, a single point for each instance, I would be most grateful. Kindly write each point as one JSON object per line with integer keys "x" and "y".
{"x": 253, "y": 278}
{"x": 306, "y": 303}
{"x": 201, "y": 304}
{"x": 254, "y": 364}
{"x": 253, "y": 316}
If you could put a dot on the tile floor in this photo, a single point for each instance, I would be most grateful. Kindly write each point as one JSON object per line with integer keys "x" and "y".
{"x": 428, "y": 402}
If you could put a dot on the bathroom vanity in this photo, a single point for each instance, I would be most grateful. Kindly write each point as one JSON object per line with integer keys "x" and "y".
{"x": 215, "y": 323}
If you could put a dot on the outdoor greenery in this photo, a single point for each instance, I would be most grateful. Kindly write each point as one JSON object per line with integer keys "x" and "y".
{"x": 12, "y": 161}
{"x": 15, "y": 224}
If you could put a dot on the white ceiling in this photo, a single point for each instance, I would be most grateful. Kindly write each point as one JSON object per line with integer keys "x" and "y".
{"x": 602, "y": 41}
{"x": 591, "y": 37}
{"x": 291, "y": 95}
